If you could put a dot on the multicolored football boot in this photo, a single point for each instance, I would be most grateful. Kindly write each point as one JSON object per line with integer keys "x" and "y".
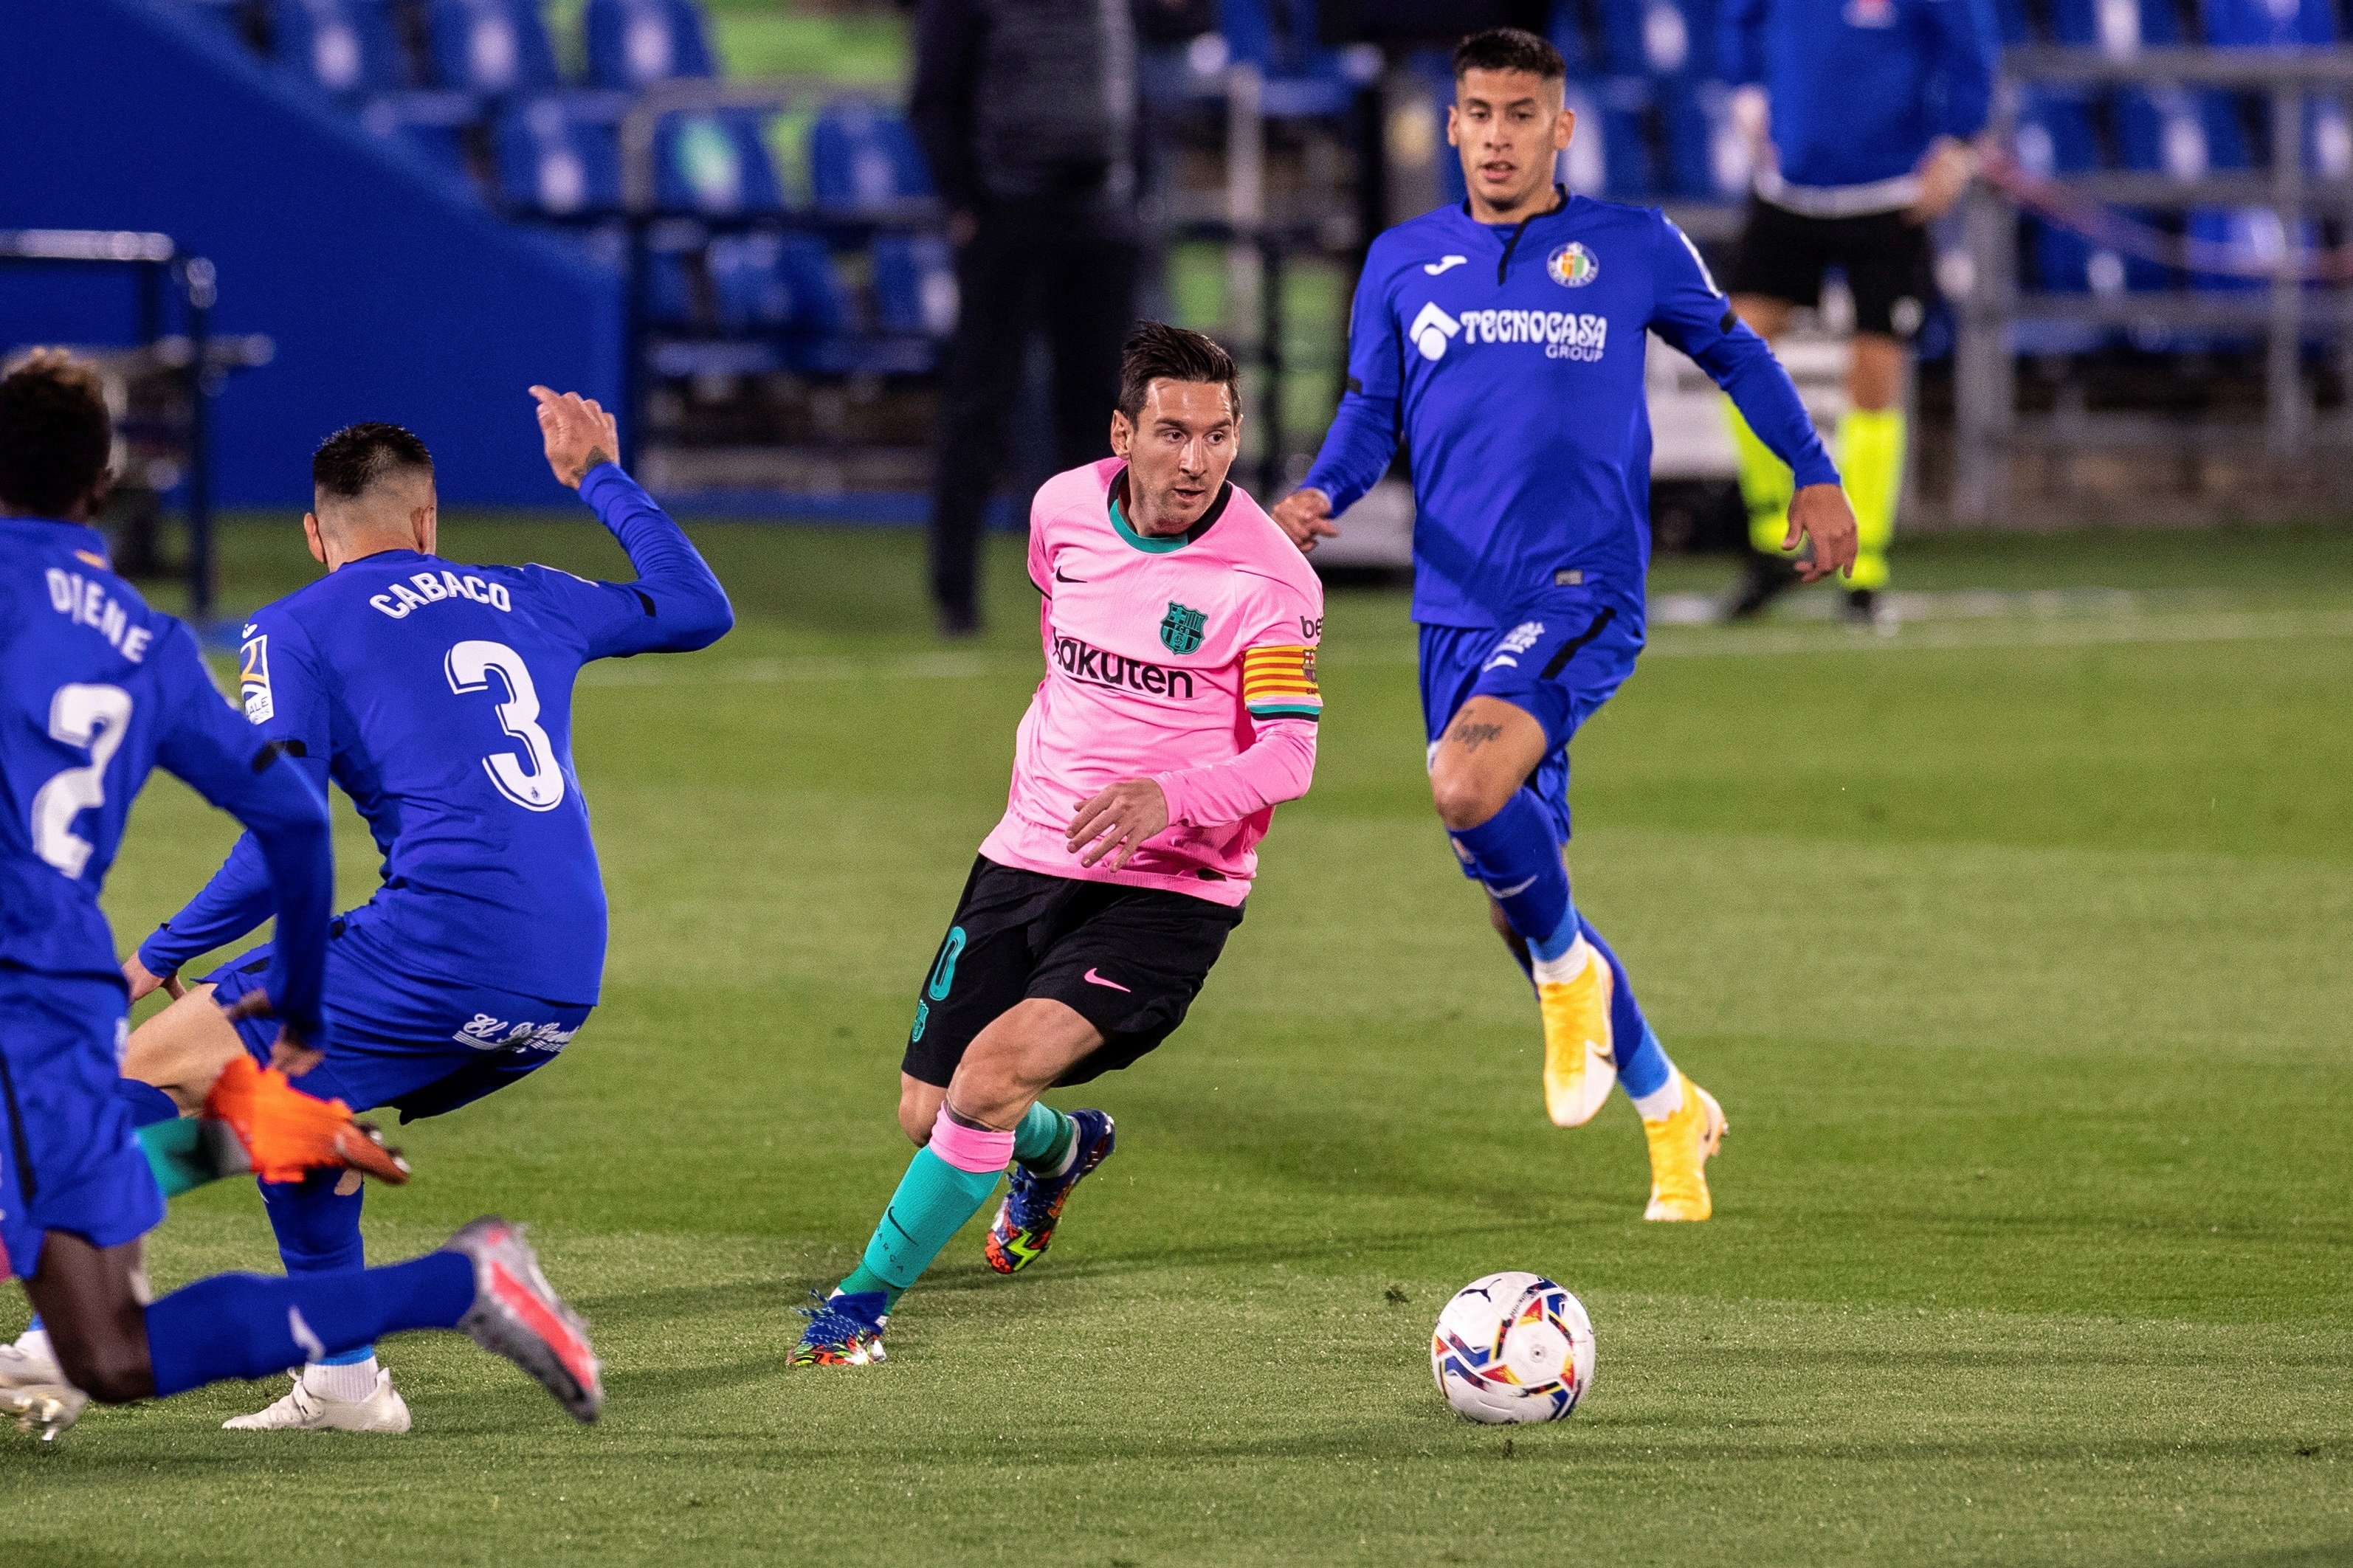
{"x": 844, "y": 1329}
{"x": 1033, "y": 1204}
{"x": 517, "y": 1314}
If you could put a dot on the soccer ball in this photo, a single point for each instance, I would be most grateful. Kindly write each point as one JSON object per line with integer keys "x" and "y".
{"x": 1512, "y": 1347}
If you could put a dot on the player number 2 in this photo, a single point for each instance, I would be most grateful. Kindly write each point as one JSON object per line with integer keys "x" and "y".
{"x": 540, "y": 785}
{"x": 96, "y": 717}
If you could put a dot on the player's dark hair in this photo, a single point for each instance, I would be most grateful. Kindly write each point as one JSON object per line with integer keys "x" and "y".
{"x": 1158, "y": 352}
{"x": 55, "y": 435}
{"x": 1509, "y": 49}
{"x": 355, "y": 457}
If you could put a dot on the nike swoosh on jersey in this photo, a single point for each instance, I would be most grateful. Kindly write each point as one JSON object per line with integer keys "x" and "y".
{"x": 1060, "y": 578}
{"x": 1095, "y": 979}
{"x": 1516, "y": 888}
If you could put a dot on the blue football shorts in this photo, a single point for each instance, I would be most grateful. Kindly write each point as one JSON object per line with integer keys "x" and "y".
{"x": 1558, "y": 661}
{"x": 421, "y": 1046}
{"x": 69, "y": 1158}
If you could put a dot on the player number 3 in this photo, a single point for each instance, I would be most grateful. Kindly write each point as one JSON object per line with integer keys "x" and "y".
{"x": 539, "y": 786}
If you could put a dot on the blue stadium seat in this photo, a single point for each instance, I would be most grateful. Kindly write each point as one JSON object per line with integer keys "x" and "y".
{"x": 1303, "y": 79}
{"x": 864, "y": 159}
{"x": 2116, "y": 27}
{"x": 345, "y": 47}
{"x": 491, "y": 47}
{"x": 431, "y": 124}
{"x": 552, "y": 159}
{"x": 2184, "y": 134}
{"x": 2011, "y": 22}
{"x": 2269, "y": 23}
{"x": 632, "y": 43}
{"x": 1623, "y": 105}
{"x": 2056, "y": 136}
{"x": 1707, "y": 157}
{"x": 715, "y": 163}
{"x": 1658, "y": 38}
{"x": 914, "y": 285}
{"x": 1567, "y": 30}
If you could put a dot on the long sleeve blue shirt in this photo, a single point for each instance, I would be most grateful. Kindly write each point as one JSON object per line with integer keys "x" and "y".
{"x": 1860, "y": 88}
{"x": 97, "y": 689}
{"x": 439, "y": 695}
{"x": 1509, "y": 360}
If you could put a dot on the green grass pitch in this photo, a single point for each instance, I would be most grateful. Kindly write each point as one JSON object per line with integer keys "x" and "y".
{"x": 2015, "y": 946}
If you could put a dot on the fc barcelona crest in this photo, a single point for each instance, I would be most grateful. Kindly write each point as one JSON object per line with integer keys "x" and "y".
{"x": 1181, "y": 628}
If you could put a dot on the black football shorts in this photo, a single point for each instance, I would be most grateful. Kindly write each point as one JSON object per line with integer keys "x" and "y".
{"x": 1783, "y": 256}
{"x": 1128, "y": 959}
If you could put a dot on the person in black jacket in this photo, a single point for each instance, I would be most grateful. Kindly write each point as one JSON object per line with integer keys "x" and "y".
{"x": 1026, "y": 110}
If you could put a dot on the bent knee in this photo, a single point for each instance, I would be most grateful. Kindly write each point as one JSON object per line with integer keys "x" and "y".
{"x": 919, "y": 1107}
{"x": 1463, "y": 799}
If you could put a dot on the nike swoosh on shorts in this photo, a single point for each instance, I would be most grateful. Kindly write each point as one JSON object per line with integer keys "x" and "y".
{"x": 1095, "y": 979}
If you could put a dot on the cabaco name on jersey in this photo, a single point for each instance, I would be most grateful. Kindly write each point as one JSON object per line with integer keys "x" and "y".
{"x": 432, "y": 586}
{"x": 87, "y": 603}
{"x": 1565, "y": 334}
{"x": 1082, "y": 661}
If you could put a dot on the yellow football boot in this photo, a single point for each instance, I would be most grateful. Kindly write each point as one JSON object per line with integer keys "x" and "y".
{"x": 1579, "y": 1065}
{"x": 1682, "y": 1142}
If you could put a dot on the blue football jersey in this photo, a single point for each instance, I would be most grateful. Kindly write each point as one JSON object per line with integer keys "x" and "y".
{"x": 97, "y": 691}
{"x": 439, "y": 697}
{"x": 1509, "y": 358}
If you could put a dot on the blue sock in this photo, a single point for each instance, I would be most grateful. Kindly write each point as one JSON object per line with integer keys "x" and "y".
{"x": 1643, "y": 1069}
{"x": 318, "y": 1233}
{"x": 147, "y": 1104}
{"x": 1517, "y": 858}
{"x": 246, "y": 1325}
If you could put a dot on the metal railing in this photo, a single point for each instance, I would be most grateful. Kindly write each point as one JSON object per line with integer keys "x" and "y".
{"x": 2284, "y": 310}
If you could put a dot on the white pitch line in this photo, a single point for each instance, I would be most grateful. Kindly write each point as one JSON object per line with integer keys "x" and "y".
{"x": 1944, "y": 636}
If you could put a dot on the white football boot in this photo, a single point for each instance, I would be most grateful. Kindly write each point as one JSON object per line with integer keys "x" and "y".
{"x": 29, "y": 1362}
{"x": 33, "y": 1388}
{"x": 305, "y": 1409}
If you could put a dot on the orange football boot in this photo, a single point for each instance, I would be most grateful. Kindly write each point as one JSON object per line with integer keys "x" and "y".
{"x": 288, "y": 1133}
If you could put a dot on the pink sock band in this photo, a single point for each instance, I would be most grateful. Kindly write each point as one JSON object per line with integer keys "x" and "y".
{"x": 974, "y": 1149}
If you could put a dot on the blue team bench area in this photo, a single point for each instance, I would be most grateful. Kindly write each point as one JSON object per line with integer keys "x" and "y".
{"x": 788, "y": 234}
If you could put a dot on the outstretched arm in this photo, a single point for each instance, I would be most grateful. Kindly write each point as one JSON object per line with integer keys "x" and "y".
{"x": 676, "y": 605}
{"x": 283, "y": 702}
{"x": 1694, "y": 315}
{"x": 222, "y": 758}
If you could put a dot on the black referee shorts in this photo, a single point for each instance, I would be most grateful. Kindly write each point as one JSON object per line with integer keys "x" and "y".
{"x": 1884, "y": 256}
{"x": 1127, "y": 959}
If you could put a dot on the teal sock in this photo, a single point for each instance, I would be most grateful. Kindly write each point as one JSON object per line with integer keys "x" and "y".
{"x": 1044, "y": 1140}
{"x": 932, "y": 1203}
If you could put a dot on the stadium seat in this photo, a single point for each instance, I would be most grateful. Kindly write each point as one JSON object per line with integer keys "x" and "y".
{"x": 1303, "y": 80}
{"x": 555, "y": 159}
{"x": 632, "y": 43}
{"x": 715, "y": 163}
{"x": 1571, "y": 29}
{"x": 2118, "y": 28}
{"x": 2056, "y": 136}
{"x": 1658, "y": 38}
{"x": 1623, "y": 105}
{"x": 2011, "y": 22}
{"x": 914, "y": 285}
{"x": 864, "y": 160}
{"x": 2269, "y": 23}
{"x": 345, "y": 47}
{"x": 431, "y": 124}
{"x": 1707, "y": 157}
{"x": 490, "y": 47}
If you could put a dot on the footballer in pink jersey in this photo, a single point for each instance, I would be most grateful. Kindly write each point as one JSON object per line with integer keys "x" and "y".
{"x": 1178, "y": 710}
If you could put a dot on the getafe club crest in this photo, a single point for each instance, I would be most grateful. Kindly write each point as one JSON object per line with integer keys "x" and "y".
{"x": 1181, "y": 628}
{"x": 1572, "y": 265}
